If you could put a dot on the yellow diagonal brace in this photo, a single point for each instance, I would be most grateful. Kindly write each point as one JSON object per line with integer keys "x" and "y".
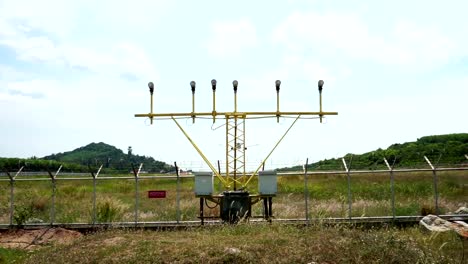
{"x": 201, "y": 154}
{"x": 269, "y": 154}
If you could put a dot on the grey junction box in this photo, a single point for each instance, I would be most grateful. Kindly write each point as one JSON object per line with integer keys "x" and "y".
{"x": 267, "y": 182}
{"x": 203, "y": 183}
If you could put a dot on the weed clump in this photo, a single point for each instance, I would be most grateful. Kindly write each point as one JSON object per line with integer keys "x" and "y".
{"x": 33, "y": 206}
{"x": 110, "y": 210}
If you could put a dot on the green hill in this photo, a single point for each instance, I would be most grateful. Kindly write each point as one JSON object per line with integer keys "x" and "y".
{"x": 84, "y": 158}
{"x": 442, "y": 150}
{"x": 111, "y": 157}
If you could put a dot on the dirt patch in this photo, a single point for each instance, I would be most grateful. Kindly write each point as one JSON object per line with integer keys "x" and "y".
{"x": 31, "y": 239}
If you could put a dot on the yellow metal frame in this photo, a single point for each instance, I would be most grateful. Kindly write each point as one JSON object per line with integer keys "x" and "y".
{"x": 235, "y": 136}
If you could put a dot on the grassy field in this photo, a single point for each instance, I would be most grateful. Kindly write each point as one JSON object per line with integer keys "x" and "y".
{"x": 328, "y": 197}
{"x": 248, "y": 243}
{"x": 244, "y": 243}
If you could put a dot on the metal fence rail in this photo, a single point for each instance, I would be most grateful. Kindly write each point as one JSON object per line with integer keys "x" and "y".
{"x": 13, "y": 177}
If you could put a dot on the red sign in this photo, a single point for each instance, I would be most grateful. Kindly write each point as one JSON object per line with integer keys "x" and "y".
{"x": 156, "y": 194}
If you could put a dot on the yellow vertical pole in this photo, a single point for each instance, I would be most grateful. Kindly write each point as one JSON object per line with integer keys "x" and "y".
{"x": 227, "y": 148}
{"x": 235, "y": 83}
{"x": 193, "y": 107}
{"x": 151, "y": 118}
{"x": 277, "y": 106}
{"x": 320, "y": 106}
{"x": 214, "y": 106}
{"x": 151, "y": 90}
{"x": 213, "y": 86}
{"x": 193, "y": 85}
{"x": 244, "y": 148}
{"x": 320, "y": 87}
{"x": 277, "y": 84}
{"x": 235, "y": 153}
{"x": 235, "y": 102}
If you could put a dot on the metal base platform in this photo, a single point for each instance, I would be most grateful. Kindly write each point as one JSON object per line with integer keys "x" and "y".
{"x": 235, "y": 206}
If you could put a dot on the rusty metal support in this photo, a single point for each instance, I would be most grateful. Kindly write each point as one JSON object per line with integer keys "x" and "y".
{"x": 94, "y": 192}
{"x": 435, "y": 183}
{"x": 136, "y": 174}
{"x": 306, "y": 192}
{"x": 392, "y": 186}
{"x": 177, "y": 193}
{"x": 202, "y": 218}
{"x": 349, "y": 187}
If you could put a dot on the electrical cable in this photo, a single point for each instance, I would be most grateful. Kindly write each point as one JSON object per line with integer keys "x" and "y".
{"x": 216, "y": 128}
{"x": 211, "y": 207}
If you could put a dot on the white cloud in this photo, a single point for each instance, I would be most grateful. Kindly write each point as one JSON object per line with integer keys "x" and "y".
{"x": 51, "y": 16}
{"x": 8, "y": 73}
{"x": 229, "y": 39}
{"x": 62, "y": 18}
{"x": 348, "y": 35}
{"x": 121, "y": 58}
{"x": 33, "y": 48}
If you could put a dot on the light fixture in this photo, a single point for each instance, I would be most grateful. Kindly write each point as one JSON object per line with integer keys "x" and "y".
{"x": 213, "y": 84}
{"x": 151, "y": 87}
{"x": 192, "y": 84}
{"x": 320, "y": 85}
{"x": 235, "y": 83}
{"x": 278, "y": 83}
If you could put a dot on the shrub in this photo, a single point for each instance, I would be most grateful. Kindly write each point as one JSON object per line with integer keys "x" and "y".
{"x": 23, "y": 213}
{"x": 109, "y": 210}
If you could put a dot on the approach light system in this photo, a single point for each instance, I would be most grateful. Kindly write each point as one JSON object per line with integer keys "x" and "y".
{"x": 236, "y": 194}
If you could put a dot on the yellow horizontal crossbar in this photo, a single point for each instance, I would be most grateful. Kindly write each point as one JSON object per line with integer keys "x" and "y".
{"x": 236, "y": 114}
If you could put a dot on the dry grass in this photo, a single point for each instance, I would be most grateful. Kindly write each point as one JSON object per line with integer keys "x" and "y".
{"x": 257, "y": 244}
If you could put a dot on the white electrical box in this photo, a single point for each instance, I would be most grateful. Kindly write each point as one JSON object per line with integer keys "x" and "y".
{"x": 203, "y": 183}
{"x": 267, "y": 184}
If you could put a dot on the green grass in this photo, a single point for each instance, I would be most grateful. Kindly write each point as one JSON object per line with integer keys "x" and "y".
{"x": 261, "y": 243}
{"x": 12, "y": 255}
{"x": 257, "y": 244}
{"x": 328, "y": 197}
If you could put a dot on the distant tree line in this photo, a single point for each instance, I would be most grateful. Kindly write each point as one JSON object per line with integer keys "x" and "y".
{"x": 441, "y": 150}
{"x": 88, "y": 158}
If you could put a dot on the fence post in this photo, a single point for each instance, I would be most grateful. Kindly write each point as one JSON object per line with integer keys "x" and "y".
{"x": 436, "y": 192}
{"x": 54, "y": 190}
{"x": 392, "y": 186}
{"x": 94, "y": 192}
{"x": 12, "y": 193}
{"x": 136, "y": 173}
{"x": 306, "y": 192}
{"x": 12, "y": 197}
{"x": 178, "y": 192}
{"x": 349, "y": 186}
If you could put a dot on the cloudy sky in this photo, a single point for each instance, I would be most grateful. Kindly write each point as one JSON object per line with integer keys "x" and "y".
{"x": 76, "y": 72}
